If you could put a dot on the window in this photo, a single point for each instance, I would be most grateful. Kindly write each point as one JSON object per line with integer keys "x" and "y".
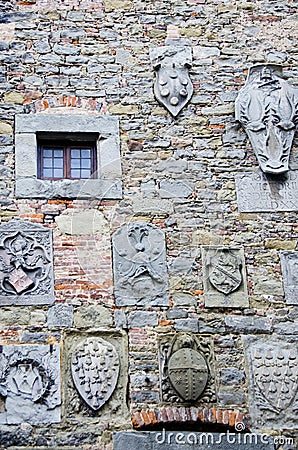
{"x": 67, "y": 156}
{"x": 59, "y": 160}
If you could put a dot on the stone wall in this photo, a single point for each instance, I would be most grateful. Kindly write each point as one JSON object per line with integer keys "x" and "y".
{"x": 78, "y": 57}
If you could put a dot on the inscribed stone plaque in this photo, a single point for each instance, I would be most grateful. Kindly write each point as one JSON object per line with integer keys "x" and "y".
{"x": 273, "y": 377}
{"x": 186, "y": 368}
{"x": 26, "y": 264}
{"x": 139, "y": 263}
{"x": 267, "y": 108}
{"x": 188, "y": 440}
{"x": 257, "y": 192}
{"x": 224, "y": 277}
{"x": 30, "y": 384}
{"x": 289, "y": 268}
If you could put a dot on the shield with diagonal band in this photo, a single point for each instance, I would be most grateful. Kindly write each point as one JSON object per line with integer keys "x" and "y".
{"x": 225, "y": 272}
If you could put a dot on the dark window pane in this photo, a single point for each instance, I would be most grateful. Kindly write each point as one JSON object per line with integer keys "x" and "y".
{"x": 75, "y": 153}
{"x": 47, "y": 173}
{"x": 58, "y": 163}
{"x": 86, "y": 153}
{"x": 58, "y": 173}
{"x": 85, "y": 173}
{"x": 75, "y": 173}
{"x": 75, "y": 163}
{"x": 86, "y": 164}
{"x": 47, "y": 162}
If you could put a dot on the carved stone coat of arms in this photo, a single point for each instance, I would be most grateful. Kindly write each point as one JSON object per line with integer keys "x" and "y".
{"x": 224, "y": 277}
{"x": 95, "y": 370}
{"x": 267, "y": 108}
{"x": 26, "y": 264}
{"x": 186, "y": 369}
{"x": 140, "y": 271}
{"x": 173, "y": 87}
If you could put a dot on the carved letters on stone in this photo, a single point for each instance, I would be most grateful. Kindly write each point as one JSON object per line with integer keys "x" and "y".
{"x": 224, "y": 277}
{"x": 289, "y": 267}
{"x": 267, "y": 108}
{"x": 30, "y": 384}
{"x": 260, "y": 192}
{"x": 173, "y": 87}
{"x": 139, "y": 262}
{"x": 26, "y": 264}
{"x": 95, "y": 370}
{"x": 186, "y": 369}
{"x": 273, "y": 367}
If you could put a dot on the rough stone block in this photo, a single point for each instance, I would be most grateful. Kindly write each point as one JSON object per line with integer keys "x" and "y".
{"x": 257, "y": 192}
{"x": 273, "y": 372}
{"x": 289, "y": 265}
{"x": 26, "y": 255}
{"x": 248, "y": 324}
{"x": 30, "y": 384}
{"x": 224, "y": 277}
{"x": 187, "y": 440}
{"x": 138, "y": 319}
{"x": 60, "y": 316}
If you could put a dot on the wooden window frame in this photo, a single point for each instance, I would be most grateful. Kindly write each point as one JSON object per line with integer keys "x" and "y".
{"x": 67, "y": 146}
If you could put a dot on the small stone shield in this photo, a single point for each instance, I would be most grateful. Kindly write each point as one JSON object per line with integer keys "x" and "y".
{"x": 188, "y": 373}
{"x": 95, "y": 370}
{"x": 173, "y": 88}
{"x": 276, "y": 377}
{"x": 225, "y": 272}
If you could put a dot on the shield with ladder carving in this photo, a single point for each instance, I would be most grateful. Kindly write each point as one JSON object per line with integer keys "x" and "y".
{"x": 225, "y": 272}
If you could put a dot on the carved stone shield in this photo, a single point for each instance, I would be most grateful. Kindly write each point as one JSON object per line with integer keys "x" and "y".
{"x": 267, "y": 108}
{"x": 276, "y": 377}
{"x": 173, "y": 87}
{"x": 225, "y": 272}
{"x": 95, "y": 370}
{"x": 188, "y": 373}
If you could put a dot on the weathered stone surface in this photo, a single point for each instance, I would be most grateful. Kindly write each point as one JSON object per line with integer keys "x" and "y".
{"x": 139, "y": 263}
{"x": 224, "y": 277}
{"x": 162, "y": 440}
{"x": 138, "y": 319}
{"x": 260, "y": 192}
{"x": 60, "y": 316}
{"x": 273, "y": 371}
{"x": 90, "y": 316}
{"x": 27, "y": 264}
{"x": 90, "y": 221}
{"x": 289, "y": 265}
{"x": 267, "y": 109}
{"x": 30, "y": 384}
{"x": 248, "y": 324}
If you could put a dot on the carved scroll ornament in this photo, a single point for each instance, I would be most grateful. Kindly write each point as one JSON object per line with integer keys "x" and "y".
{"x": 267, "y": 108}
{"x": 173, "y": 87}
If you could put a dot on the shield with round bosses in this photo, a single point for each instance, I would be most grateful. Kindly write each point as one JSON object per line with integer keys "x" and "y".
{"x": 95, "y": 370}
{"x": 173, "y": 87}
{"x": 224, "y": 271}
{"x": 188, "y": 373}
